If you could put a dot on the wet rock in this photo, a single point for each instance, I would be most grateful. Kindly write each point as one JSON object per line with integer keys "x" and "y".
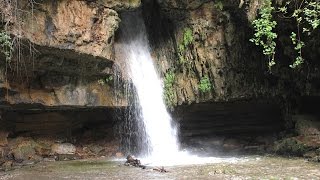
{"x": 315, "y": 159}
{"x": 23, "y": 149}
{"x": 232, "y": 144}
{"x": 64, "y": 151}
{"x": 49, "y": 159}
{"x": 65, "y": 157}
{"x": 119, "y": 155}
{"x": 4, "y": 151}
{"x": 28, "y": 162}
{"x": 64, "y": 148}
{"x": 313, "y": 156}
{"x": 310, "y": 154}
{"x": 7, "y": 165}
{"x": 311, "y": 141}
{"x": 254, "y": 148}
{"x": 96, "y": 149}
{"x": 218, "y": 141}
{"x": 44, "y": 152}
{"x": 266, "y": 140}
{"x": 307, "y": 125}
{"x": 3, "y": 138}
{"x": 132, "y": 161}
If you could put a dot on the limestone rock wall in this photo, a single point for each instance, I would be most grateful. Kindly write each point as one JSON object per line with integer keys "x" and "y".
{"x": 64, "y": 51}
{"x": 220, "y": 49}
{"x": 64, "y": 48}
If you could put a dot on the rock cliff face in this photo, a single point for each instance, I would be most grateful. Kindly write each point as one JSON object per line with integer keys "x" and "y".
{"x": 65, "y": 56}
{"x": 63, "y": 48}
{"x": 220, "y": 50}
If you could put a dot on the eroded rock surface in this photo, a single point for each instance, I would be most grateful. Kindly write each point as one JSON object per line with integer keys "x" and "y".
{"x": 219, "y": 50}
{"x": 64, "y": 52}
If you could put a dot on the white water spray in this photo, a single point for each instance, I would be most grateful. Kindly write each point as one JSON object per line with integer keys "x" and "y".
{"x": 161, "y": 134}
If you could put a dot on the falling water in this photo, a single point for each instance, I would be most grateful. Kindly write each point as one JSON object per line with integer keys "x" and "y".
{"x": 160, "y": 133}
{"x": 154, "y": 130}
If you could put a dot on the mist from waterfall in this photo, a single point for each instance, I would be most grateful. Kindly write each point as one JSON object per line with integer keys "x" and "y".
{"x": 160, "y": 134}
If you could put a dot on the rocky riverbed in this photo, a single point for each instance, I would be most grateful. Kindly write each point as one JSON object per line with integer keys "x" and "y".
{"x": 253, "y": 167}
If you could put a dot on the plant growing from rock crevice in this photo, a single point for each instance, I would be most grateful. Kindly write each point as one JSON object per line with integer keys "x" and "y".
{"x": 168, "y": 94}
{"x": 219, "y": 5}
{"x": 182, "y": 47}
{"x": 107, "y": 80}
{"x": 205, "y": 85}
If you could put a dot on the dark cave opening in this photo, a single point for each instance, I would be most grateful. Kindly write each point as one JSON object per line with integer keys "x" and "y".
{"x": 230, "y": 127}
{"x": 32, "y": 132}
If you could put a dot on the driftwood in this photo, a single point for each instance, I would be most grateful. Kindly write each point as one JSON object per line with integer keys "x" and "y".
{"x": 162, "y": 170}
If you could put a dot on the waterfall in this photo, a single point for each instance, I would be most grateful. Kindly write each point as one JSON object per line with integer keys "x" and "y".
{"x": 149, "y": 126}
{"x": 160, "y": 137}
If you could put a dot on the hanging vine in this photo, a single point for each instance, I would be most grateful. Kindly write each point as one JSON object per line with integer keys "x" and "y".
{"x": 305, "y": 14}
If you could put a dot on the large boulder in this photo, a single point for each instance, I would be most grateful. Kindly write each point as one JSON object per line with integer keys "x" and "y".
{"x": 24, "y": 149}
{"x": 307, "y": 125}
{"x": 63, "y": 148}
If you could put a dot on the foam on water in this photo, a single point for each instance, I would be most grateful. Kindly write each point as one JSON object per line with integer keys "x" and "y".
{"x": 184, "y": 158}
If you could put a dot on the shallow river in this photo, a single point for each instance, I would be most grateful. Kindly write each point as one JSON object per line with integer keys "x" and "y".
{"x": 252, "y": 167}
